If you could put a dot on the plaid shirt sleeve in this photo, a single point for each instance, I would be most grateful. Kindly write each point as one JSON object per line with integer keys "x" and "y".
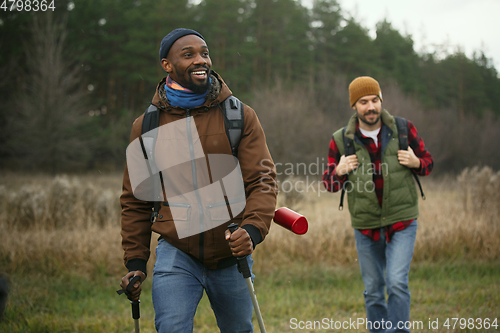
{"x": 332, "y": 182}
{"x": 417, "y": 144}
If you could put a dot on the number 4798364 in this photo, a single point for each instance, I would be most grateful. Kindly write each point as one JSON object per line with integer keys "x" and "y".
{"x": 27, "y": 5}
{"x": 471, "y": 323}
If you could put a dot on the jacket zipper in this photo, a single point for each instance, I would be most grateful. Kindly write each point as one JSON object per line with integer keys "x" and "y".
{"x": 195, "y": 184}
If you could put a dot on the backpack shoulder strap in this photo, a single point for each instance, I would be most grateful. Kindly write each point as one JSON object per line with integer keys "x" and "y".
{"x": 348, "y": 144}
{"x": 150, "y": 122}
{"x": 232, "y": 109}
{"x": 349, "y": 149}
{"x": 402, "y": 126}
{"x": 151, "y": 119}
{"x": 148, "y": 138}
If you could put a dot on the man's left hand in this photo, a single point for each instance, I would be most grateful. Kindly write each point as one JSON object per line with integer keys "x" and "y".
{"x": 408, "y": 158}
{"x": 239, "y": 242}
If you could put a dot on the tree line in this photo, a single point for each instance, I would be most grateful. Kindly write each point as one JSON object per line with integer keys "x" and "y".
{"x": 73, "y": 80}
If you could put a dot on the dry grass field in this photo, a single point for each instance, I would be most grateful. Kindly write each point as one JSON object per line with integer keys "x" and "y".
{"x": 460, "y": 218}
{"x": 68, "y": 226}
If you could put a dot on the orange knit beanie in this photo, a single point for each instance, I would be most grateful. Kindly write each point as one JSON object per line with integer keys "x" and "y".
{"x": 363, "y": 86}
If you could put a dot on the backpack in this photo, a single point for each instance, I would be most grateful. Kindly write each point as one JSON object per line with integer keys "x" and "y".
{"x": 232, "y": 109}
{"x": 402, "y": 126}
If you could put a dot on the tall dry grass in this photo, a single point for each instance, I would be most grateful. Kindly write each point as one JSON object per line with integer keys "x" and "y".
{"x": 480, "y": 193}
{"x": 460, "y": 218}
{"x": 54, "y": 224}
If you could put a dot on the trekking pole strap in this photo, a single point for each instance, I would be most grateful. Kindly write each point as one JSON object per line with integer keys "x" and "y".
{"x": 130, "y": 285}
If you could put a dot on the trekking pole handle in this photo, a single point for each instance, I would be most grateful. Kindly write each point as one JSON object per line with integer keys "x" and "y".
{"x": 131, "y": 283}
{"x": 232, "y": 227}
{"x": 136, "y": 314}
{"x": 242, "y": 261}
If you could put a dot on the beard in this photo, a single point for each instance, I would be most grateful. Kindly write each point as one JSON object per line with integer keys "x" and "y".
{"x": 192, "y": 85}
{"x": 364, "y": 120}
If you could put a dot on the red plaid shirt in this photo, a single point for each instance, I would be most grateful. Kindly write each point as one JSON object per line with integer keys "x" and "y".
{"x": 334, "y": 183}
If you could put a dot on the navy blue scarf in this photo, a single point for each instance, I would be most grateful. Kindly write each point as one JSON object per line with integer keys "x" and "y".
{"x": 182, "y": 97}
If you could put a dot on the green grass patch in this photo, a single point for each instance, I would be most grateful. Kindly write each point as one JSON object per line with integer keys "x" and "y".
{"x": 72, "y": 303}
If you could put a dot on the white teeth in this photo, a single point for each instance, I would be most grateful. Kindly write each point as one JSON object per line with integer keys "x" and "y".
{"x": 199, "y": 73}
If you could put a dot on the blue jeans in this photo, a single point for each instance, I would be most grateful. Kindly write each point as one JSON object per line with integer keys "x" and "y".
{"x": 387, "y": 264}
{"x": 178, "y": 284}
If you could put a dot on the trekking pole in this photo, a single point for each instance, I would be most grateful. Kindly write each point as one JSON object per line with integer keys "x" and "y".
{"x": 245, "y": 270}
{"x": 136, "y": 313}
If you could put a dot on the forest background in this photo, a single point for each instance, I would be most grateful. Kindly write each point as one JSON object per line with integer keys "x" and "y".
{"x": 73, "y": 80}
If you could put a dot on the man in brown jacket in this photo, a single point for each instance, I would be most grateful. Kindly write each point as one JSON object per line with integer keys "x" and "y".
{"x": 201, "y": 195}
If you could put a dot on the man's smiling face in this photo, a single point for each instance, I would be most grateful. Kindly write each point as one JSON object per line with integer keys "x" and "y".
{"x": 369, "y": 109}
{"x": 188, "y": 63}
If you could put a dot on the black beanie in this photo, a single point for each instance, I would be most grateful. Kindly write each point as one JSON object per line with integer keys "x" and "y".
{"x": 170, "y": 39}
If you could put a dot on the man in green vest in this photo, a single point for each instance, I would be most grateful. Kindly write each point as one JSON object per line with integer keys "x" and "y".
{"x": 383, "y": 201}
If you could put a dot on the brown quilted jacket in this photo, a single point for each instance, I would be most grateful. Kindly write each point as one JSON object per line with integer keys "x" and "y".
{"x": 259, "y": 179}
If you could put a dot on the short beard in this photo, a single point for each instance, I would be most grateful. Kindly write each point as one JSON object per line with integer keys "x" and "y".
{"x": 368, "y": 123}
{"x": 198, "y": 89}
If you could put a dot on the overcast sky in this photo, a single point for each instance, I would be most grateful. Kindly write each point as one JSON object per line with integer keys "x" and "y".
{"x": 472, "y": 25}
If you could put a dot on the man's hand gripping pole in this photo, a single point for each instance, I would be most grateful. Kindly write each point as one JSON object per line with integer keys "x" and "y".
{"x": 245, "y": 271}
{"x": 136, "y": 313}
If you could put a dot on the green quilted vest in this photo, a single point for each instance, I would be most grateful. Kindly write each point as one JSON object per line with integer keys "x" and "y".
{"x": 400, "y": 198}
